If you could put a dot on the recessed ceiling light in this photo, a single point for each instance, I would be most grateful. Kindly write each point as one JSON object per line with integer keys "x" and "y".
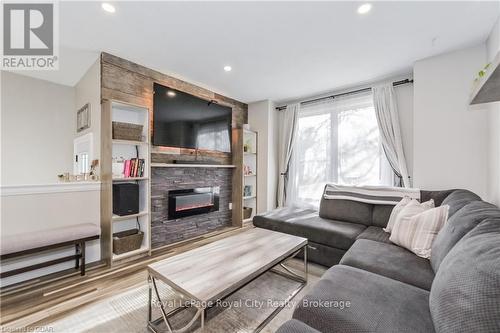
{"x": 108, "y": 7}
{"x": 365, "y": 8}
{"x": 171, "y": 93}
{"x": 228, "y": 68}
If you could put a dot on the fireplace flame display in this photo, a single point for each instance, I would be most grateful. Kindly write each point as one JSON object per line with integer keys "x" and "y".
{"x": 184, "y": 203}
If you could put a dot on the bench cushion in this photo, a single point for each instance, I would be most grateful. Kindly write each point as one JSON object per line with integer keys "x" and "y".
{"x": 376, "y": 304}
{"x": 32, "y": 240}
{"x": 391, "y": 261}
{"x": 340, "y": 235}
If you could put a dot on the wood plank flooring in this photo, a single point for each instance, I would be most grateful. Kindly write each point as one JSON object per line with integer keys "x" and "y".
{"x": 43, "y": 299}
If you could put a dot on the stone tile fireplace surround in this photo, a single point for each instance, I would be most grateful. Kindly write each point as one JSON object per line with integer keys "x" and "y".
{"x": 165, "y": 179}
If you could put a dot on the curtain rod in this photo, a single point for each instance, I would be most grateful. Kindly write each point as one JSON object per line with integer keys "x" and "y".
{"x": 394, "y": 84}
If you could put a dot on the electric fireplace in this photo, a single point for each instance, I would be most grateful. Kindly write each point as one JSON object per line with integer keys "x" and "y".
{"x": 183, "y": 203}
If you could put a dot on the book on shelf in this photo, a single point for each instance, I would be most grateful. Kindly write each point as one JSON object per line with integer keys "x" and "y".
{"x": 133, "y": 168}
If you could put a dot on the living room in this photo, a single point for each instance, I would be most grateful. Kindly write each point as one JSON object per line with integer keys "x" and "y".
{"x": 250, "y": 166}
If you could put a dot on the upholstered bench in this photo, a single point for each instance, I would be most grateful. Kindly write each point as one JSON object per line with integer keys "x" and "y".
{"x": 13, "y": 246}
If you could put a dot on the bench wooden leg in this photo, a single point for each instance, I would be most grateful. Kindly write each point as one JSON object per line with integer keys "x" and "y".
{"x": 82, "y": 266}
{"x": 77, "y": 253}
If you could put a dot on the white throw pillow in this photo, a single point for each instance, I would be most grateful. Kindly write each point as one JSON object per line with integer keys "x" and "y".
{"x": 413, "y": 207}
{"x": 395, "y": 212}
{"x": 417, "y": 233}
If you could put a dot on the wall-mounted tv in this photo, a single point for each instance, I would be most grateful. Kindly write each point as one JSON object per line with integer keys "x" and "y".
{"x": 184, "y": 121}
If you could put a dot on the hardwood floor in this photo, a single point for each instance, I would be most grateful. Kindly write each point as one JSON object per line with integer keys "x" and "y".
{"x": 44, "y": 299}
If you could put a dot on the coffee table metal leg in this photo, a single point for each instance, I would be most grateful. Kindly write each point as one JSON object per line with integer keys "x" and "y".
{"x": 152, "y": 324}
{"x": 305, "y": 263}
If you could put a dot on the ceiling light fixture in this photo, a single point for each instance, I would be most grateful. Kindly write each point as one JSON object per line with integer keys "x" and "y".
{"x": 108, "y": 7}
{"x": 228, "y": 68}
{"x": 365, "y": 8}
{"x": 171, "y": 93}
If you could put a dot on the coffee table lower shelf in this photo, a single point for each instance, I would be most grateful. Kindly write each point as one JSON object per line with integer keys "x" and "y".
{"x": 154, "y": 324}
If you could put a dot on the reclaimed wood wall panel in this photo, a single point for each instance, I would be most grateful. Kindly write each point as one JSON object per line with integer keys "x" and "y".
{"x": 132, "y": 83}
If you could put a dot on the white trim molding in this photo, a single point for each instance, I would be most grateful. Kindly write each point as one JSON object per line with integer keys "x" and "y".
{"x": 11, "y": 190}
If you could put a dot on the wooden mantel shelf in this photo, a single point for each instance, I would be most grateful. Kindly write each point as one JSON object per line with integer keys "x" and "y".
{"x": 176, "y": 165}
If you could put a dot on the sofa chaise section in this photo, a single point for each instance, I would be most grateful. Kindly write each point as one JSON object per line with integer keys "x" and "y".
{"x": 376, "y": 304}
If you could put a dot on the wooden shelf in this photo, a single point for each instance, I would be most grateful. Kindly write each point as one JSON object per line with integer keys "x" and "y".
{"x": 249, "y": 153}
{"x": 129, "y": 179}
{"x": 131, "y": 216}
{"x": 174, "y": 165}
{"x": 248, "y": 220}
{"x": 130, "y": 142}
{"x": 142, "y": 249}
{"x": 250, "y": 197}
{"x": 252, "y": 175}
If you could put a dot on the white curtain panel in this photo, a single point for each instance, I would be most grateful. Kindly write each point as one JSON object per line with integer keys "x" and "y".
{"x": 384, "y": 101}
{"x": 288, "y": 134}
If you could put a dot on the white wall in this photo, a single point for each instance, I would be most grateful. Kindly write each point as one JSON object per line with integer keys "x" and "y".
{"x": 38, "y": 128}
{"x": 493, "y": 48}
{"x": 88, "y": 90}
{"x": 262, "y": 118}
{"x": 450, "y": 140}
{"x": 38, "y": 122}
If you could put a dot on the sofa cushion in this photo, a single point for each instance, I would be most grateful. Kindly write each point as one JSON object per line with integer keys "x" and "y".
{"x": 437, "y": 196}
{"x": 347, "y": 299}
{"x": 458, "y": 225}
{"x": 390, "y": 261}
{"x": 309, "y": 225}
{"x": 465, "y": 294}
{"x": 381, "y": 214}
{"x": 295, "y": 326}
{"x": 346, "y": 210}
{"x": 458, "y": 199}
{"x": 375, "y": 234}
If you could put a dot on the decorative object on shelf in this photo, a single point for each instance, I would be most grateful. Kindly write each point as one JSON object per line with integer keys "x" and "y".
{"x": 247, "y": 170}
{"x": 247, "y": 212}
{"x": 126, "y": 241}
{"x": 127, "y": 131}
{"x": 246, "y": 148}
{"x": 93, "y": 167}
{"x": 83, "y": 118}
{"x": 247, "y": 191}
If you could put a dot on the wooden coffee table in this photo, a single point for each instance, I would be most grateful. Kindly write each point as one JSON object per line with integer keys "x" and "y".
{"x": 216, "y": 270}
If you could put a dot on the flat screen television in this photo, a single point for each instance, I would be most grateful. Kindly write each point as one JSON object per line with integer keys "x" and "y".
{"x": 185, "y": 121}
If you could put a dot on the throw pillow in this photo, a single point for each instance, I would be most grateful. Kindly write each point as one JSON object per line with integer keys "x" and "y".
{"x": 395, "y": 211}
{"x": 419, "y": 231}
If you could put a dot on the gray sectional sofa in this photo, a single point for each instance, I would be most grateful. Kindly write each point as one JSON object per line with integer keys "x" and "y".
{"x": 388, "y": 288}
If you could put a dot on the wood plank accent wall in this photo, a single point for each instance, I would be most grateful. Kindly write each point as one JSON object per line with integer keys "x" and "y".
{"x": 128, "y": 82}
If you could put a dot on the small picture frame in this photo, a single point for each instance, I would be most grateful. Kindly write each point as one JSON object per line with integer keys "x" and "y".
{"x": 83, "y": 118}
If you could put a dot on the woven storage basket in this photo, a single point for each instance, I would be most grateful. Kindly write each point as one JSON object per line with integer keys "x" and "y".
{"x": 127, "y": 131}
{"x": 128, "y": 240}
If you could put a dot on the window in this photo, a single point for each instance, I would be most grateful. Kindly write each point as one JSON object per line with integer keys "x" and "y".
{"x": 337, "y": 141}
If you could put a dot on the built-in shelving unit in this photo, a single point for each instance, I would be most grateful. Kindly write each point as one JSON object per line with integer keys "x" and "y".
{"x": 113, "y": 153}
{"x": 249, "y": 172}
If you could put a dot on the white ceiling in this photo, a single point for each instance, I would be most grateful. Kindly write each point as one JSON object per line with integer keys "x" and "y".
{"x": 278, "y": 50}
